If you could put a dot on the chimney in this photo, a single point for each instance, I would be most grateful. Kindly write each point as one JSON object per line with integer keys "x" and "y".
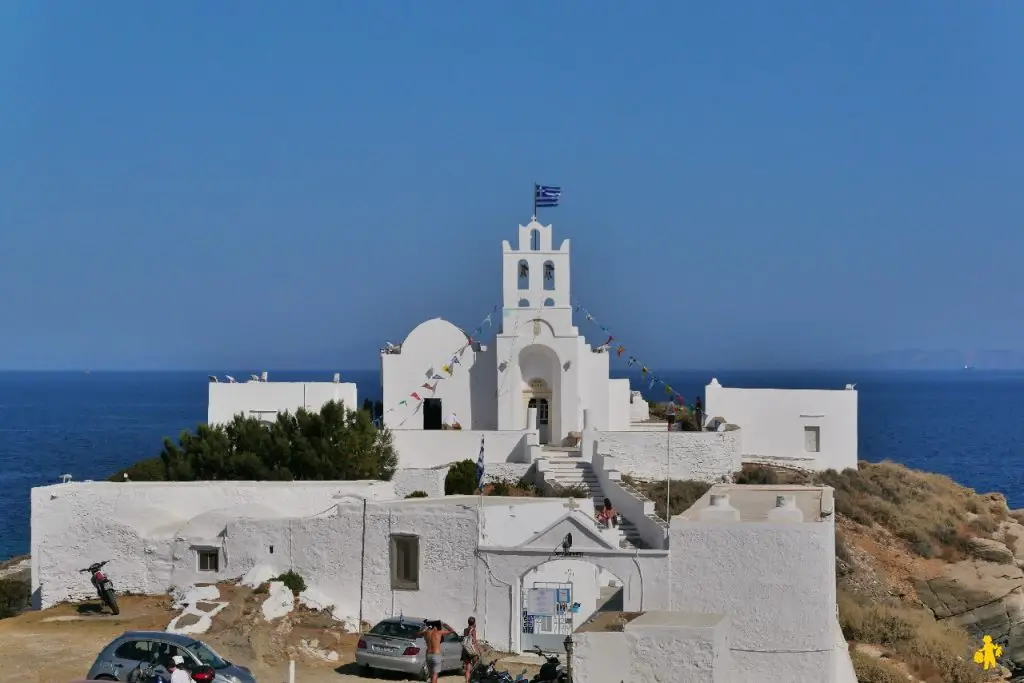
{"x": 263, "y": 376}
{"x": 337, "y": 377}
{"x": 785, "y": 510}
{"x": 719, "y": 510}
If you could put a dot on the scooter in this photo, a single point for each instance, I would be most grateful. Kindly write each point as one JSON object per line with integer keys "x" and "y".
{"x": 102, "y": 584}
{"x": 552, "y": 671}
{"x": 147, "y": 673}
{"x": 488, "y": 673}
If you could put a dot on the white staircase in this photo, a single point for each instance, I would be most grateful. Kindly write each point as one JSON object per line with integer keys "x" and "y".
{"x": 573, "y": 472}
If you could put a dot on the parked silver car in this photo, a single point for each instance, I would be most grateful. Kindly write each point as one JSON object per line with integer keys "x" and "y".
{"x": 392, "y": 645}
{"x": 134, "y": 649}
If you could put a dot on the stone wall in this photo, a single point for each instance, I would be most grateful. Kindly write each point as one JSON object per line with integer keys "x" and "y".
{"x": 702, "y": 456}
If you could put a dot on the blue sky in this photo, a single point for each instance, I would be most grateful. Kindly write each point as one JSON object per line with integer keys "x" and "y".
{"x": 268, "y": 184}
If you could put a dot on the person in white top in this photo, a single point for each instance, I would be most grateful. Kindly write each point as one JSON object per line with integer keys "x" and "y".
{"x": 452, "y": 422}
{"x": 178, "y": 672}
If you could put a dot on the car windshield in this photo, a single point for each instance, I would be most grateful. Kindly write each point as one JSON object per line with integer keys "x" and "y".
{"x": 206, "y": 655}
{"x": 396, "y": 629}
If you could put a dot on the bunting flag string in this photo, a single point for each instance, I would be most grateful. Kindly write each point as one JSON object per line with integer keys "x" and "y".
{"x": 614, "y": 343}
{"x": 447, "y": 368}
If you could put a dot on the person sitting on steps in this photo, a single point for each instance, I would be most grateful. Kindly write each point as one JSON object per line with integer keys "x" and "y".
{"x": 607, "y": 515}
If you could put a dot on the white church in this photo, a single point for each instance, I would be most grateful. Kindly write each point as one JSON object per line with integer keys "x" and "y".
{"x": 538, "y": 360}
{"x": 542, "y": 402}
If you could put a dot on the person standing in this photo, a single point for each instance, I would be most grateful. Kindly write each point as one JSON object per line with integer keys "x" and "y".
{"x": 433, "y": 633}
{"x": 470, "y": 648}
{"x": 698, "y": 413}
{"x": 178, "y": 672}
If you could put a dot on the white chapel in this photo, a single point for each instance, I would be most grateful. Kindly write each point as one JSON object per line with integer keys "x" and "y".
{"x": 539, "y": 367}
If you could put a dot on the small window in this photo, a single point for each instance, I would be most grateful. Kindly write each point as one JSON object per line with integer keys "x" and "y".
{"x": 535, "y": 239}
{"x": 812, "y": 439}
{"x": 524, "y": 303}
{"x": 209, "y": 559}
{"x": 549, "y": 302}
{"x": 405, "y": 562}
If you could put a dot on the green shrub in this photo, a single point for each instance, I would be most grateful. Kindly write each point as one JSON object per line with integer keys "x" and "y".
{"x": 461, "y": 479}
{"x": 294, "y": 581}
{"x": 872, "y": 670}
{"x": 417, "y": 494}
{"x": 500, "y": 488}
{"x": 570, "y": 492}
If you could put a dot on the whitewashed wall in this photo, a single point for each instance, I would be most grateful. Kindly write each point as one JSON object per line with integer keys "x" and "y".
{"x": 639, "y": 410}
{"x": 669, "y": 647}
{"x": 137, "y": 526}
{"x": 264, "y": 400}
{"x": 702, "y": 456}
{"x": 775, "y": 581}
{"x": 430, "y": 448}
{"x": 468, "y": 390}
{"x": 773, "y": 423}
{"x": 619, "y": 408}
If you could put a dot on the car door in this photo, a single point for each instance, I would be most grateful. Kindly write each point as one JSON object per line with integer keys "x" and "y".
{"x": 129, "y": 655}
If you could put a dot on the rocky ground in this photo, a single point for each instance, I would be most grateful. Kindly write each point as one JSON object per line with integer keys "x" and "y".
{"x": 60, "y": 644}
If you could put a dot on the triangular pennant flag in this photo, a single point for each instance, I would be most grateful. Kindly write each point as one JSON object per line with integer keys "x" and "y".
{"x": 403, "y": 402}
{"x": 653, "y": 382}
{"x": 427, "y": 386}
{"x": 620, "y": 350}
{"x": 455, "y": 361}
{"x": 437, "y": 377}
{"x": 415, "y": 396}
{"x": 668, "y": 390}
{"x": 445, "y": 368}
{"x": 643, "y": 371}
{"x": 610, "y": 339}
{"x": 590, "y": 317}
{"x": 632, "y": 362}
{"x": 488, "y": 320}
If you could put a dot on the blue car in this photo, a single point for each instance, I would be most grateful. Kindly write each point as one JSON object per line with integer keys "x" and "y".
{"x": 134, "y": 650}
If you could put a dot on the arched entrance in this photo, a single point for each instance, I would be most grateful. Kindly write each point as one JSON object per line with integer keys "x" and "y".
{"x": 541, "y": 389}
{"x": 539, "y": 396}
{"x": 562, "y": 595}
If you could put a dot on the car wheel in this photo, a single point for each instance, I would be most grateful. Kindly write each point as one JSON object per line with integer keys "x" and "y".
{"x": 105, "y": 678}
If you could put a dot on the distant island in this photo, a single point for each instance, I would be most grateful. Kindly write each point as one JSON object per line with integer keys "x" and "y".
{"x": 921, "y": 359}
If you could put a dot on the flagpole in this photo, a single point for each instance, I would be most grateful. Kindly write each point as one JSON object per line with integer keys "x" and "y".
{"x": 535, "y": 200}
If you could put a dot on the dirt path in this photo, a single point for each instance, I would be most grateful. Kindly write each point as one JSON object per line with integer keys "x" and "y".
{"x": 60, "y": 644}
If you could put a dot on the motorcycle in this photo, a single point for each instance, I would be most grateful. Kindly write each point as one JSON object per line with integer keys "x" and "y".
{"x": 488, "y": 673}
{"x": 147, "y": 673}
{"x": 102, "y": 584}
{"x": 552, "y": 671}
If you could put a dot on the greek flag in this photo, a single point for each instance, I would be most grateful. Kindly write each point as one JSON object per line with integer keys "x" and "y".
{"x": 480, "y": 467}
{"x": 547, "y": 195}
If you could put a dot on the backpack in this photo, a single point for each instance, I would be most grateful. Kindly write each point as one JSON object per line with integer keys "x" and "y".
{"x": 468, "y": 646}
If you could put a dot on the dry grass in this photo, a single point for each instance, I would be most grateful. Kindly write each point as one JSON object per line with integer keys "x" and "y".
{"x": 872, "y": 670}
{"x": 682, "y": 493}
{"x": 935, "y": 651}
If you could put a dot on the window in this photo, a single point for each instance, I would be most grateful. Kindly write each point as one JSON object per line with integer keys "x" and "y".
{"x": 549, "y": 276}
{"x": 405, "y": 562}
{"x": 524, "y": 275}
{"x": 549, "y": 302}
{"x": 209, "y": 559}
{"x": 812, "y": 439}
{"x": 137, "y": 651}
{"x": 524, "y": 303}
{"x": 535, "y": 239}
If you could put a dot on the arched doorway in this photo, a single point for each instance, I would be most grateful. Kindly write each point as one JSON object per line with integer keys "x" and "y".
{"x": 539, "y": 396}
{"x": 541, "y": 389}
{"x": 560, "y": 596}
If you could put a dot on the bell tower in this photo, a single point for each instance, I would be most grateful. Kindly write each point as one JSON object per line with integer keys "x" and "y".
{"x": 536, "y": 275}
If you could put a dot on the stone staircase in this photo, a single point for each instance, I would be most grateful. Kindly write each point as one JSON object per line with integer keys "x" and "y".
{"x": 574, "y": 472}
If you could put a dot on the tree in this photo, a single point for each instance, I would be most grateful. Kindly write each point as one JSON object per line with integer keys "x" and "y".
{"x": 335, "y": 443}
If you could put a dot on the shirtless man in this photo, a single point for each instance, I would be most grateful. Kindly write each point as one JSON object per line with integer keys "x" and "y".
{"x": 433, "y": 635}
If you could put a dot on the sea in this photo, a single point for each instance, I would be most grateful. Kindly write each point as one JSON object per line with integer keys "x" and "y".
{"x": 965, "y": 424}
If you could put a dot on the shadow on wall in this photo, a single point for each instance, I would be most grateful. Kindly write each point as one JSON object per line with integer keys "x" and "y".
{"x": 483, "y": 383}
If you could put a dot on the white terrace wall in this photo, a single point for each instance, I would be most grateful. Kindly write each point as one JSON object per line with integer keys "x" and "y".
{"x": 418, "y": 449}
{"x": 150, "y": 531}
{"x": 669, "y": 647}
{"x": 775, "y": 423}
{"x": 703, "y": 456}
{"x": 775, "y": 580}
{"x": 264, "y": 400}
{"x": 431, "y": 481}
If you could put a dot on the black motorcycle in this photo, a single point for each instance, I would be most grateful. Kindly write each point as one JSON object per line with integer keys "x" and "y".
{"x": 104, "y": 588}
{"x": 488, "y": 673}
{"x": 552, "y": 671}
